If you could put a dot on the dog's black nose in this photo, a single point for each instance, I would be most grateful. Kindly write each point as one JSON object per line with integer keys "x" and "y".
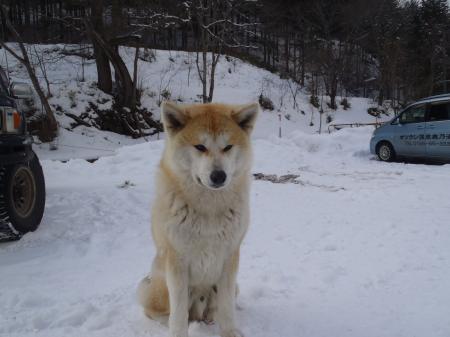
{"x": 218, "y": 177}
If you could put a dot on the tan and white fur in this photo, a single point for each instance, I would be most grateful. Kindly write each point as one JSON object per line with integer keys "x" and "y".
{"x": 200, "y": 215}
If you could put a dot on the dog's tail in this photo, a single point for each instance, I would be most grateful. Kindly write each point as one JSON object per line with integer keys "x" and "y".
{"x": 153, "y": 295}
{"x": 143, "y": 291}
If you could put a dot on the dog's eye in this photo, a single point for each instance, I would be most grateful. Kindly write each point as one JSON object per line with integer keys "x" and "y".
{"x": 227, "y": 148}
{"x": 201, "y": 147}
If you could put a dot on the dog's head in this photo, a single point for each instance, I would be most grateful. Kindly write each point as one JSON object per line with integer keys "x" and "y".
{"x": 209, "y": 143}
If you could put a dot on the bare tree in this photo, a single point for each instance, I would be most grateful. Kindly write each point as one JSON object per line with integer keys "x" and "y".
{"x": 127, "y": 116}
{"x": 42, "y": 64}
{"x": 294, "y": 88}
{"x": 25, "y": 60}
{"x": 215, "y": 30}
{"x": 331, "y": 58}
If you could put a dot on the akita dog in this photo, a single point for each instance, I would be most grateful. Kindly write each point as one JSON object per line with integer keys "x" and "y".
{"x": 200, "y": 215}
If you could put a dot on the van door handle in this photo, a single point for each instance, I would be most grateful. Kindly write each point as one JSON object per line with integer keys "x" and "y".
{"x": 420, "y": 127}
{"x": 431, "y": 126}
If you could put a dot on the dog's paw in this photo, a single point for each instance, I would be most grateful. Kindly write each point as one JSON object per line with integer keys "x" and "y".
{"x": 231, "y": 333}
{"x": 178, "y": 335}
{"x": 181, "y": 332}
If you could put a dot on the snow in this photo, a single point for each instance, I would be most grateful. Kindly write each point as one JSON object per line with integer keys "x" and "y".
{"x": 357, "y": 248}
{"x": 85, "y": 143}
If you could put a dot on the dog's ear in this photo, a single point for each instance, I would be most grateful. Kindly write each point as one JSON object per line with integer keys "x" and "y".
{"x": 173, "y": 116}
{"x": 245, "y": 116}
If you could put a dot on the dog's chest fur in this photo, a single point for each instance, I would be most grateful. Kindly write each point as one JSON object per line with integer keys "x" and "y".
{"x": 206, "y": 236}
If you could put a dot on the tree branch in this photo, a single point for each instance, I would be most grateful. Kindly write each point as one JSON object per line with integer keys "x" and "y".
{"x": 12, "y": 52}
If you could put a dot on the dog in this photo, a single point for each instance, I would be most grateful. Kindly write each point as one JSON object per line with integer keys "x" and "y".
{"x": 200, "y": 215}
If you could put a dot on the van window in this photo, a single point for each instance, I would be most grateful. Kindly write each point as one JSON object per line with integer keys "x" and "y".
{"x": 439, "y": 112}
{"x": 415, "y": 114}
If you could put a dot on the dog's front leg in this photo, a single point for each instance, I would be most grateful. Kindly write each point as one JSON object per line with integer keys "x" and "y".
{"x": 226, "y": 296}
{"x": 177, "y": 284}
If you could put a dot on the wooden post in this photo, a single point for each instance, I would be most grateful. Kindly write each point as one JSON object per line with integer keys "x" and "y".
{"x": 279, "y": 120}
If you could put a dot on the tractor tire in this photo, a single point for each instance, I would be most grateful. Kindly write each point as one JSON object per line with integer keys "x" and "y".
{"x": 22, "y": 197}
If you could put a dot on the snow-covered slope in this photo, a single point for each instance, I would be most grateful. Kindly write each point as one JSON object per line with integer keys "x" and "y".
{"x": 357, "y": 248}
{"x": 174, "y": 74}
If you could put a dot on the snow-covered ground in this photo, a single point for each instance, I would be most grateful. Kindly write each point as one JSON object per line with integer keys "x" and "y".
{"x": 357, "y": 248}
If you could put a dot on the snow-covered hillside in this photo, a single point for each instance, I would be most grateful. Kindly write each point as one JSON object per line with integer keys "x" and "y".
{"x": 356, "y": 248}
{"x": 173, "y": 75}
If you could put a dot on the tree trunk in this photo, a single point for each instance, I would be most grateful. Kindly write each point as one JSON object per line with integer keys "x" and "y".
{"x": 116, "y": 18}
{"x": 215, "y": 60}
{"x": 303, "y": 61}
{"x": 333, "y": 92}
{"x": 125, "y": 83}
{"x": 104, "y": 79}
{"x": 204, "y": 70}
{"x": 380, "y": 96}
{"x": 286, "y": 50}
{"x": 135, "y": 68}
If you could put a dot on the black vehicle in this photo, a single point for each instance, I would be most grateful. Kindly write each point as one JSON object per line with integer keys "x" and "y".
{"x": 22, "y": 185}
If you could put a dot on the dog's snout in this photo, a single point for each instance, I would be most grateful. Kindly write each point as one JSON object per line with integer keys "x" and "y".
{"x": 218, "y": 177}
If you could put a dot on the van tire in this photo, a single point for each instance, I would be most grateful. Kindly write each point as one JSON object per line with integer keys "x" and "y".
{"x": 386, "y": 152}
